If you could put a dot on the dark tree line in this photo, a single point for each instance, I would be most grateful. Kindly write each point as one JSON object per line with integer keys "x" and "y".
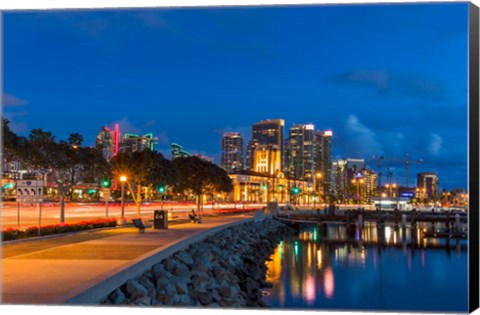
{"x": 69, "y": 164}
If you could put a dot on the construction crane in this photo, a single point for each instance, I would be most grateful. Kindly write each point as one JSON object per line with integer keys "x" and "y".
{"x": 407, "y": 162}
{"x": 380, "y": 160}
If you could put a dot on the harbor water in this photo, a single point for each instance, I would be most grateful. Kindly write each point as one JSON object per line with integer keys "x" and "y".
{"x": 393, "y": 268}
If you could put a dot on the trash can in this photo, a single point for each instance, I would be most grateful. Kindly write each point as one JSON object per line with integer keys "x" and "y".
{"x": 160, "y": 219}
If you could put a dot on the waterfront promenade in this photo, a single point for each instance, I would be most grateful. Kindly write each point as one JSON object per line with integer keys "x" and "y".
{"x": 84, "y": 267}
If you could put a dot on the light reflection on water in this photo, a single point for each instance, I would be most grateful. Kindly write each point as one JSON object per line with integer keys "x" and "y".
{"x": 373, "y": 268}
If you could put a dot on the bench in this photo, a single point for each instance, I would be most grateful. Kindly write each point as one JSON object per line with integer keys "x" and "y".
{"x": 195, "y": 218}
{"x": 139, "y": 224}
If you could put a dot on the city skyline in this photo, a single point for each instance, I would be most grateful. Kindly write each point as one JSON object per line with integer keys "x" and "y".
{"x": 190, "y": 77}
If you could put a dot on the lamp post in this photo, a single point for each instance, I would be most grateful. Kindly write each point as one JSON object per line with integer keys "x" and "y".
{"x": 123, "y": 179}
{"x": 383, "y": 195}
{"x": 362, "y": 181}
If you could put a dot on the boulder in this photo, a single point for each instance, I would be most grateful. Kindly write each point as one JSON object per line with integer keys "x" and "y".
{"x": 184, "y": 257}
{"x": 133, "y": 290}
{"x": 205, "y": 298}
{"x": 117, "y": 297}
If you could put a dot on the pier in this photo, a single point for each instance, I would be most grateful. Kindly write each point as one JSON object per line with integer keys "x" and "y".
{"x": 452, "y": 222}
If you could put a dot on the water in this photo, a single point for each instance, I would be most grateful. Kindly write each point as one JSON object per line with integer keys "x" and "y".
{"x": 374, "y": 268}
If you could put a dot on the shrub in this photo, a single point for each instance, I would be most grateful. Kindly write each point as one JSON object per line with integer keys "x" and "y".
{"x": 10, "y": 234}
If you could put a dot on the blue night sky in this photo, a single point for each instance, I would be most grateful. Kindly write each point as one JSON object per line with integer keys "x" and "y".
{"x": 387, "y": 79}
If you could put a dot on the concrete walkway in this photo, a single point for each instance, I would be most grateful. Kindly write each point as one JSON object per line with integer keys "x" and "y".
{"x": 82, "y": 269}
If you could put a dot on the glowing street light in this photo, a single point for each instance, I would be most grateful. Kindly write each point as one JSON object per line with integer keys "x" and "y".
{"x": 123, "y": 179}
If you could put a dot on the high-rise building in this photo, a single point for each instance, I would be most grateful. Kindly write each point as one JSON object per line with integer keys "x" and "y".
{"x": 132, "y": 142}
{"x": 346, "y": 175}
{"x": 427, "y": 185}
{"x": 299, "y": 153}
{"x": 104, "y": 142}
{"x": 178, "y": 151}
{"x": 264, "y": 133}
{"x": 232, "y": 152}
{"x": 323, "y": 156}
{"x": 267, "y": 159}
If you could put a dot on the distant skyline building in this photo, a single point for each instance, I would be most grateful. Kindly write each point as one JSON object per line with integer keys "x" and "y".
{"x": 323, "y": 156}
{"x": 299, "y": 152}
{"x": 134, "y": 143}
{"x": 104, "y": 142}
{"x": 427, "y": 185}
{"x": 178, "y": 151}
{"x": 345, "y": 172}
{"x": 232, "y": 159}
{"x": 266, "y": 132}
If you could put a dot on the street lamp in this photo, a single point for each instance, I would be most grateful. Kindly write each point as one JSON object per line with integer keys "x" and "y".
{"x": 123, "y": 179}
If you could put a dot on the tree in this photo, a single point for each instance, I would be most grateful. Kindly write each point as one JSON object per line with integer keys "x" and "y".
{"x": 75, "y": 139}
{"x": 68, "y": 165}
{"x": 200, "y": 177}
{"x": 12, "y": 143}
{"x": 143, "y": 169}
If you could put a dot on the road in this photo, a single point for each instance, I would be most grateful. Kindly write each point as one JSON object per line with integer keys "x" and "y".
{"x": 29, "y": 214}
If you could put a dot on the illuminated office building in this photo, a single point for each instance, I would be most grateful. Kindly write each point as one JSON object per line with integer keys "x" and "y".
{"x": 267, "y": 159}
{"x": 267, "y": 132}
{"x": 104, "y": 142}
{"x": 178, "y": 151}
{"x": 427, "y": 185}
{"x": 299, "y": 153}
{"x": 232, "y": 152}
{"x": 323, "y": 156}
{"x": 134, "y": 143}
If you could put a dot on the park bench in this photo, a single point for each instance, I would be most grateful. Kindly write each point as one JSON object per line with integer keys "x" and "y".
{"x": 139, "y": 224}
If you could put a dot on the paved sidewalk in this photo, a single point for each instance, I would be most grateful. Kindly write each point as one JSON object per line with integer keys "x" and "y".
{"x": 84, "y": 268}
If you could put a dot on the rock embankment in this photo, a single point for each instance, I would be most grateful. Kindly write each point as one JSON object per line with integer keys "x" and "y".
{"x": 224, "y": 270}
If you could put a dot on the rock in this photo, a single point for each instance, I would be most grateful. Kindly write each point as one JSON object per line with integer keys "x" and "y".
{"x": 134, "y": 290}
{"x": 225, "y": 291}
{"x": 117, "y": 297}
{"x": 184, "y": 257}
{"x": 159, "y": 271}
{"x": 204, "y": 297}
{"x": 142, "y": 300}
{"x": 181, "y": 287}
{"x": 181, "y": 270}
{"x": 213, "y": 305}
{"x": 184, "y": 299}
{"x": 224, "y": 270}
{"x": 169, "y": 264}
{"x": 146, "y": 282}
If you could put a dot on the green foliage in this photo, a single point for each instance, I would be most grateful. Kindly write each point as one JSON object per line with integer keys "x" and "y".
{"x": 10, "y": 234}
{"x": 144, "y": 168}
{"x": 200, "y": 176}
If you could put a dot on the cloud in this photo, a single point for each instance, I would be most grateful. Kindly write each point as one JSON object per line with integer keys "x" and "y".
{"x": 379, "y": 79}
{"x": 361, "y": 141}
{"x": 12, "y": 100}
{"x": 150, "y": 123}
{"x": 394, "y": 84}
{"x": 436, "y": 145}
